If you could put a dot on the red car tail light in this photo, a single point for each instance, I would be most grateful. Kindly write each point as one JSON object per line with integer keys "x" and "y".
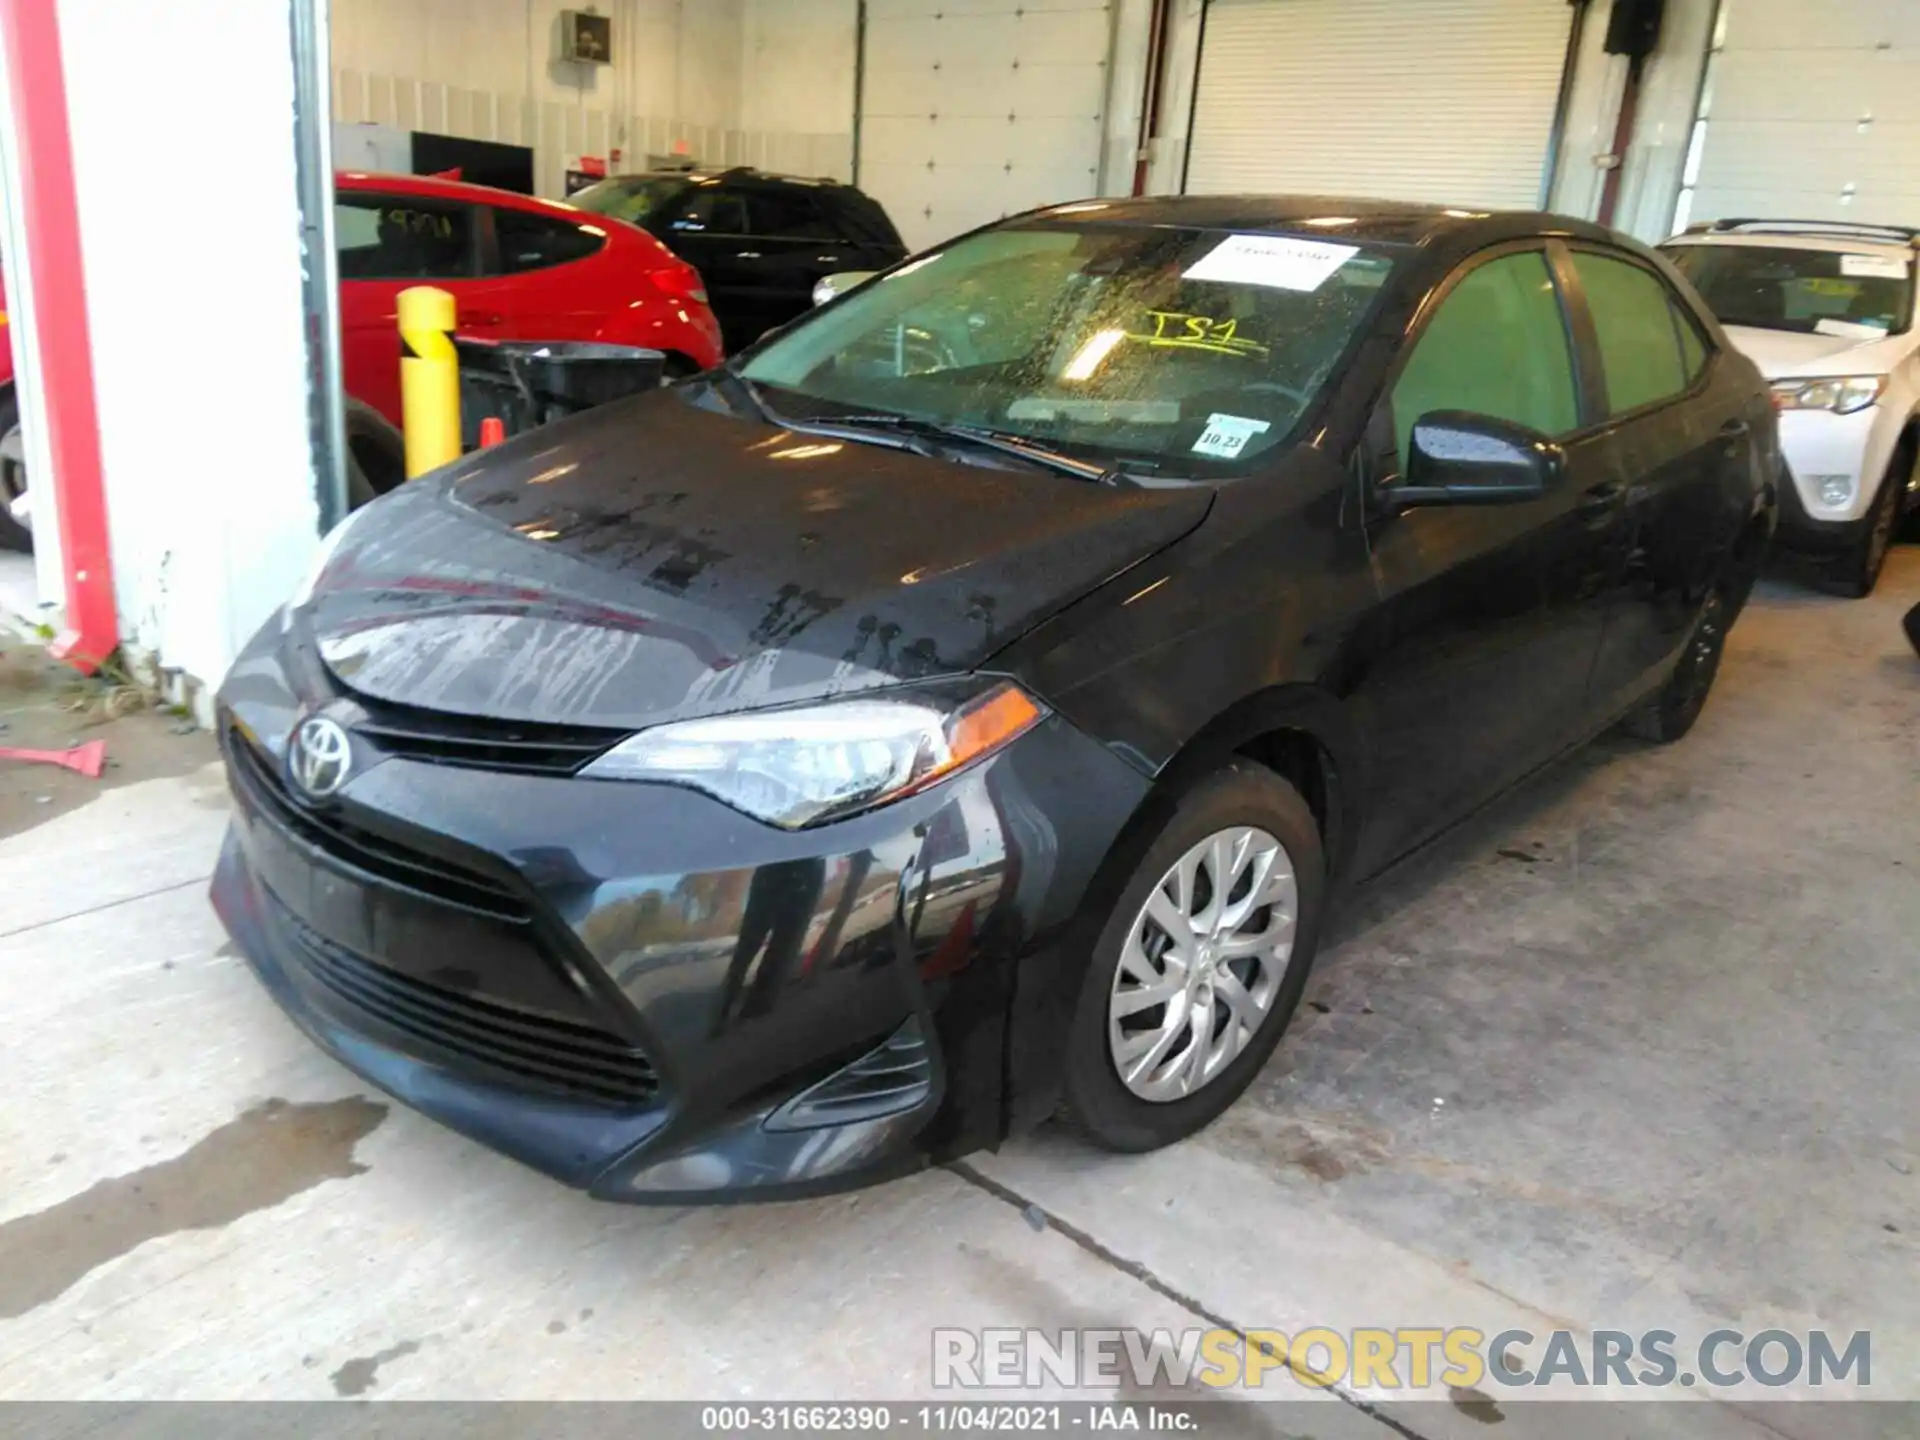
{"x": 680, "y": 281}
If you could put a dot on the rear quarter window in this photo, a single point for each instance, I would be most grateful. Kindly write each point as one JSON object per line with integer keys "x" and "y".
{"x": 535, "y": 242}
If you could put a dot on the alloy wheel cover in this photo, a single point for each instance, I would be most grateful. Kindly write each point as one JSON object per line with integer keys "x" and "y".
{"x": 1201, "y": 964}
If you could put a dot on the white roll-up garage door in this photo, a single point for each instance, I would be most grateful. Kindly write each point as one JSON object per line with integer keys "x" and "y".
{"x": 1446, "y": 101}
{"x": 974, "y": 109}
{"x": 1813, "y": 113}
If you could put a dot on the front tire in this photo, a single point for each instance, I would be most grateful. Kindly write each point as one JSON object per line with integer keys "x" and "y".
{"x": 1860, "y": 570}
{"x": 13, "y": 478}
{"x": 1199, "y": 968}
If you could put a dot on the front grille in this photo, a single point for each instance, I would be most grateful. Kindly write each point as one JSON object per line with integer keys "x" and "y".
{"x": 528, "y": 1049}
{"x": 361, "y": 849}
{"x": 521, "y": 749}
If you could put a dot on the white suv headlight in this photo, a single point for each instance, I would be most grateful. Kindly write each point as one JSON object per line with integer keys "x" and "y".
{"x": 798, "y": 767}
{"x": 1841, "y": 394}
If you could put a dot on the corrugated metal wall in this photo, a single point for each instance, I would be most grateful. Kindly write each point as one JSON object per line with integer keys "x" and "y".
{"x": 484, "y": 70}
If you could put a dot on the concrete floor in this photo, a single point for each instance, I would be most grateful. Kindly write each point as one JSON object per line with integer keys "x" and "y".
{"x": 1632, "y": 1050}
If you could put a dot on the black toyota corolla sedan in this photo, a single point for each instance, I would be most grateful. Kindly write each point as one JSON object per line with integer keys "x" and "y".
{"x": 972, "y": 698}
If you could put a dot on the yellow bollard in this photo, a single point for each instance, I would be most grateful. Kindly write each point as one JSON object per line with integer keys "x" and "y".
{"x": 429, "y": 379}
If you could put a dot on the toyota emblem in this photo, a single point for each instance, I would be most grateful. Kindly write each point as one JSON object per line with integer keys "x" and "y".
{"x": 320, "y": 756}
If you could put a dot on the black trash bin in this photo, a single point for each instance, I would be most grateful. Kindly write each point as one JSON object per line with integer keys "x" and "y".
{"x": 524, "y": 383}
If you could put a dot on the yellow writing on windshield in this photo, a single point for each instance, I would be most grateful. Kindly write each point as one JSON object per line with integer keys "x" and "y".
{"x": 1178, "y": 329}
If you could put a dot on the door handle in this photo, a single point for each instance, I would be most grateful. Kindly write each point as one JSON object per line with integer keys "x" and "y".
{"x": 1597, "y": 500}
{"x": 1735, "y": 430}
{"x": 746, "y": 255}
{"x": 827, "y": 259}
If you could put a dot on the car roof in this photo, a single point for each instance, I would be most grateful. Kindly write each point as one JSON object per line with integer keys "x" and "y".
{"x": 435, "y": 188}
{"x": 1337, "y": 217}
{"x": 1798, "y": 240}
{"x": 737, "y": 172}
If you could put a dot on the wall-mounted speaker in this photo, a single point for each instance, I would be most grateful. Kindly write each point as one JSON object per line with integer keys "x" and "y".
{"x": 1633, "y": 27}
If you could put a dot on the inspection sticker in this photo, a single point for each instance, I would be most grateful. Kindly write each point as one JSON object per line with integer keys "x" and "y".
{"x": 1869, "y": 267}
{"x": 1849, "y": 329}
{"x": 1227, "y": 435}
{"x": 1275, "y": 260}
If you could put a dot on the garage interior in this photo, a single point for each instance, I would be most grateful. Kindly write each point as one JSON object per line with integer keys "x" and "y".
{"x": 1631, "y": 1049}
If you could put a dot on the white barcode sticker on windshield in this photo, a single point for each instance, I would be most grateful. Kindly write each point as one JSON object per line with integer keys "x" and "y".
{"x": 1276, "y": 260}
{"x": 1872, "y": 267}
{"x": 1227, "y": 435}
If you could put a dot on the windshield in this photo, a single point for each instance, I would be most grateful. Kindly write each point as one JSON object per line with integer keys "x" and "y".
{"x": 1193, "y": 348}
{"x": 1814, "y": 292}
{"x": 629, "y": 197}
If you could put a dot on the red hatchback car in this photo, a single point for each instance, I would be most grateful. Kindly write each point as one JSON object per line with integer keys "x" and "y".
{"x": 518, "y": 269}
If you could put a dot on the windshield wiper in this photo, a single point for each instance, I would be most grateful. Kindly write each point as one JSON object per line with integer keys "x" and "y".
{"x": 1016, "y": 445}
{"x": 910, "y": 432}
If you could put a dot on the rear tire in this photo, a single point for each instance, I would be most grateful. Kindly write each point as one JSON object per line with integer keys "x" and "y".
{"x": 1229, "y": 981}
{"x": 13, "y": 481}
{"x": 1672, "y": 710}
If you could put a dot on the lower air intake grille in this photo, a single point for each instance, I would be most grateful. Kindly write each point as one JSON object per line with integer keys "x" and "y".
{"x": 526, "y": 1049}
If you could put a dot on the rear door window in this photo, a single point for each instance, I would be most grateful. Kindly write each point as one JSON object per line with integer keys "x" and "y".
{"x": 1498, "y": 345}
{"x": 1693, "y": 348}
{"x": 712, "y": 212}
{"x": 1641, "y": 354}
{"x": 787, "y": 215}
{"x": 392, "y": 237}
{"x": 860, "y": 220}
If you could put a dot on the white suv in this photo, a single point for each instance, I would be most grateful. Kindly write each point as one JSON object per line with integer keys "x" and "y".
{"x": 1828, "y": 313}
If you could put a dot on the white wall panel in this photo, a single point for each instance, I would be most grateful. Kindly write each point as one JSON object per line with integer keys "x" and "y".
{"x": 1449, "y": 101}
{"x": 485, "y": 70}
{"x": 796, "y": 85}
{"x": 975, "y": 109}
{"x": 1813, "y": 114}
{"x": 207, "y": 538}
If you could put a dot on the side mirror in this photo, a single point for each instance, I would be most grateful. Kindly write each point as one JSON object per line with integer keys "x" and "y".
{"x": 830, "y": 286}
{"x": 1456, "y": 457}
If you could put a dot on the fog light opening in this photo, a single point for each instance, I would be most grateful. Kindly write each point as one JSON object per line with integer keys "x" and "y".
{"x": 1834, "y": 489}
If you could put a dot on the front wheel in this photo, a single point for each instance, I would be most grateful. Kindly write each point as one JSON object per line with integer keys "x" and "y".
{"x": 1861, "y": 568}
{"x": 1199, "y": 968}
{"x": 14, "y": 535}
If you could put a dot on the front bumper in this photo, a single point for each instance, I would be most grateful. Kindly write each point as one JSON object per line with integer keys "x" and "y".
{"x": 644, "y": 993}
{"x": 1819, "y": 446}
{"x": 1809, "y": 533}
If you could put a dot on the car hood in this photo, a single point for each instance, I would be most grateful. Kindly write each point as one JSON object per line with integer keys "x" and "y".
{"x": 1788, "y": 354}
{"x": 650, "y": 561}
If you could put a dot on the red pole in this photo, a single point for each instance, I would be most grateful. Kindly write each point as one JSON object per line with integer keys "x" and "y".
{"x": 50, "y": 218}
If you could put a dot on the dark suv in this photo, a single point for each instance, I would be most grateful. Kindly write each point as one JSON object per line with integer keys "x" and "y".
{"x": 762, "y": 241}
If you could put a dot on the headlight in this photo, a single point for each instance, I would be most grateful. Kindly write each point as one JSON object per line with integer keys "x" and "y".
{"x": 797, "y": 767}
{"x": 1843, "y": 395}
